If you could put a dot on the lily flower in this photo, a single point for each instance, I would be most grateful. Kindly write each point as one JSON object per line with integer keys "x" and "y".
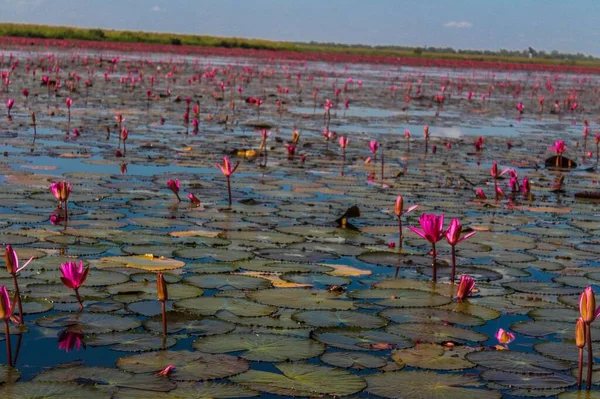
{"x": 465, "y": 287}
{"x": 165, "y": 372}
{"x": 453, "y": 238}
{"x": 193, "y": 199}
{"x": 227, "y": 171}
{"x": 399, "y": 211}
{"x": 505, "y": 337}
{"x": 433, "y": 231}
{"x": 173, "y": 185}
{"x": 73, "y": 277}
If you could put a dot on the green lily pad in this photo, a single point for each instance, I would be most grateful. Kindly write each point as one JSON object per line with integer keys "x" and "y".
{"x": 435, "y": 333}
{"x": 299, "y": 298}
{"x": 184, "y": 323}
{"x": 433, "y": 357}
{"x": 215, "y": 254}
{"x": 96, "y": 323}
{"x": 325, "y": 318}
{"x": 189, "y": 366}
{"x": 400, "y": 298}
{"x": 131, "y": 342}
{"x": 355, "y": 360}
{"x": 106, "y": 378}
{"x": 8, "y": 374}
{"x": 184, "y": 390}
{"x": 299, "y": 379}
{"x": 261, "y": 347}
{"x": 227, "y": 282}
{"x": 426, "y": 385}
{"x": 517, "y": 362}
{"x": 362, "y": 340}
{"x": 429, "y": 315}
{"x": 50, "y": 390}
{"x": 210, "y": 306}
{"x": 521, "y": 381}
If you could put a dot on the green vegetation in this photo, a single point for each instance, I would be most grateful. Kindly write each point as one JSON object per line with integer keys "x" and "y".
{"x": 62, "y": 32}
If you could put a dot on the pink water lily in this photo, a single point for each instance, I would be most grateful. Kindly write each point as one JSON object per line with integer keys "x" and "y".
{"x": 480, "y": 194}
{"x": 344, "y": 142}
{"x": 165, "y": 372}
{"x": 432, "y": 227}
{"x": 6, "y": 311}
{"x": 12, "y": 261}
{"x": 589, "y": 313}
{"x": 193, "y": 199}
{"x": 226, "y": 168}
{"x": 227, "y": 171}
{"x": 73, "y": 277}
{"x": 433, "y": 231}
{"x": 9, "y": 104}
{"x": 174, "y": 185}
{"x": 465, "y": 287}
{"x": 373, "y": 146}
{"x": 505, "y": 337}
{"x": 12, "y": 267}
{"x": 453, "y": 238}
{"x": 399, "y": 211}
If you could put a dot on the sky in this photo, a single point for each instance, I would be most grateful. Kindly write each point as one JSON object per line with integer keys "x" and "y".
{"x": 566, "y": 26}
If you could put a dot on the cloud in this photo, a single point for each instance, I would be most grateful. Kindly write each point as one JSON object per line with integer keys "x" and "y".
{"x": 458, "y": 24}
{"x": 156, "y": 9}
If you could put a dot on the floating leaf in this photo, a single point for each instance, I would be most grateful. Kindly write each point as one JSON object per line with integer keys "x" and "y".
{"x": 48, "y": 390}
{"x": 517, "y": 362}
{"x": 227, "y": 282}
{"x": 189, "y": 366}
{"x": 298, "y": 298}
{"x": 356, "y": 339}
{"x": 435, "y": 333}
{"x": 131, "y": 342}
{"x": 324, "y": 318}
{"x": 184, "y": 323}
{"x": 355, "y": 360}
{"x": 96, "y": 323}
{"x": 105, "y": 378}
{"x": 426, "y": 385}
{"x": 299, "y": 379}
{"x": 211, "y": 305}
{"x": 522, "y": 381}
{"x": 432, "y": 357}
{"x": 8, "y": 374}
{"x": 261, "y": 347}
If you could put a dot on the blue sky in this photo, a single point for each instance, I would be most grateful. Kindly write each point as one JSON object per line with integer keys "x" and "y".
{"x": 567, "y": 26}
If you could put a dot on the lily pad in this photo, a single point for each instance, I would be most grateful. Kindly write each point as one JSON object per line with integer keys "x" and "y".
{"x": 299, "y": 379}
{"x": 324, "y": 318}
{"x": 298, "y": 298}
{"x": 261, "y": 347}
{"x": 49, "y": 390}
{"x": 435, "y": 333}
{"x": 189, "y": 366}
{"x": 426, "y": 385}
{"x": 433, "y": 357}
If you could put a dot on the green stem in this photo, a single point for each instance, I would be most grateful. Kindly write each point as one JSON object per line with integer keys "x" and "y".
{"x": 8, "y": 350}
{"x": 590, "y": 365}
{"x": 433, "y": 255}
{"x": 19, "y": 304}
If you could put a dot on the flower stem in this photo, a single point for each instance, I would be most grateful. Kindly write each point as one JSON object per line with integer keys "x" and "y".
{"x": 163, "y": 307}
{"x": 590, "y": 364}
{"x": 580, "y": 370}
{"x": 78, "y": 299}
{"x": 18, "y": 295}
{"x": 8, "y": 350}
{"x": 453, "y": 263}
{"x": 229, "y": 189}
{"x": 400, "y": 232}
{"x": 433, "y": 256}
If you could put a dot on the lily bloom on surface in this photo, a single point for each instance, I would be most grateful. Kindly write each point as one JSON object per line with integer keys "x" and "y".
{"x": 73, "y": 277}
{"x": 480, "y": 194}
{"x": 12, "y": 261}
{"x": 432, "y": 227}
{"x": 193, "y": 199}
{"x": 587, "y": 306}
{"x": 344, "y": 141}
{"x": 505, "y": 337}
{"x": 226, "y": 167}
{"x": 165, "y": 372}
{"x": 373, "y": 146}
{"x": 174, "y": 185}
{"x": 465, "y": 287}
{"x": 433, "y": 231}
{"x": 5, "y": 306}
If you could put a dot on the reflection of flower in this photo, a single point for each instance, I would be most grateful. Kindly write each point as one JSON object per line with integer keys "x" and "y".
{"x": 70, "y": 339}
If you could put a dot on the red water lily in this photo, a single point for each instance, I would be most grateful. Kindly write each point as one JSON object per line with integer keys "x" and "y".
{"x": 433, "y": 231}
